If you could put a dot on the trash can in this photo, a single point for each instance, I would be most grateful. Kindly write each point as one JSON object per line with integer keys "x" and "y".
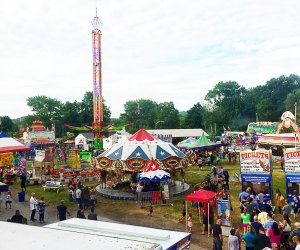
{"x": 21, "y": 196}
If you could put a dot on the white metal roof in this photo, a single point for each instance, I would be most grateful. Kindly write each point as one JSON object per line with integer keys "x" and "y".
{"x": 158, "y": 237}
{"x": 46, "y": 238}
{"x": 197, "y": 132}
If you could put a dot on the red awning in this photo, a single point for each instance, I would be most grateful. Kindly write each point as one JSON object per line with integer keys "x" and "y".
{"x": 201, "y": 196}
{"x": 8, "y": 144}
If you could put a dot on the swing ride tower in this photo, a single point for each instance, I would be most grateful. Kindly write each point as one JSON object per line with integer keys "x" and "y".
{"x": 97, "y": 84}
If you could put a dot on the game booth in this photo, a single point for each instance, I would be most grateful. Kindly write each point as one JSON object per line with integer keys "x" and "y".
{"x": 292, "y": 172}
{"x": 256, "y": 170}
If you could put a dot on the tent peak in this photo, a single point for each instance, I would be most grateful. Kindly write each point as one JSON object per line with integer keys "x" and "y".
{"x": 141, "y": 135}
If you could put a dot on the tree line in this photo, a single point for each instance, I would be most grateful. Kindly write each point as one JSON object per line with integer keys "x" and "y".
{"x": 229, "y": 105}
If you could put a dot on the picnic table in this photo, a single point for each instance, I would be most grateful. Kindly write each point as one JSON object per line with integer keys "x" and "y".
{"x": 53, "y": 185}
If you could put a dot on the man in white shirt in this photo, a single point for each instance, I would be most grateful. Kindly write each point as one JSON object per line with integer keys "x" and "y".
{"x": 33, "y": 203}
{"x": 78, "y": 196}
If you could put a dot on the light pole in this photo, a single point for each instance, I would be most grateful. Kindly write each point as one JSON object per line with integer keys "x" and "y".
{"x": 158, "y": 123}
{"x": 295, "y": 104}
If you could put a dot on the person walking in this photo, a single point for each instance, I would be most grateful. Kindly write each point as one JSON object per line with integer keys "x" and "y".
{"x": 245, "y": 216}
{"x": 78, "y": 194}
{"x": 41, "y": 210}
{"x": 256, "y": 225}
{"x": 183, "y": 211}
{"x": 275, "y": 234}
{"x": 261, "y": 241}
{"x": 233, "y": 241}
{"x": 217, "y": 235}
{"x": 80, "y": 213}
{"x": 23, "y": 182}
{"x": 92, "y": 215}
{"x": 248, "y": 237}
{"x": 62, "y": 211}
{"x": 33, "y": 204}
{"x": 8, "y": 200}
{"x": 17, "y": 218}
{"x": 279, "y": 200}
{"x": 139, "y": 190}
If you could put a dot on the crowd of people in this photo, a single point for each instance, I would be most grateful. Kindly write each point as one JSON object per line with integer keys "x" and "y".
{"x": 261, "y": 229}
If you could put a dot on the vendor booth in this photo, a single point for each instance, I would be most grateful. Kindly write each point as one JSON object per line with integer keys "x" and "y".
{"x": 256, "y": 170}
{"x": 292, "y": 172}
{"x": 203, "y": 196}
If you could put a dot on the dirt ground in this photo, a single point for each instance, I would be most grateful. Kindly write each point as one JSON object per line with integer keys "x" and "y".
{"x": 113, "y": 211}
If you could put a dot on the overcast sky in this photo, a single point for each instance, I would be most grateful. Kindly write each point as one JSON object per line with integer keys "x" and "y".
{"x": 163, "y": 50}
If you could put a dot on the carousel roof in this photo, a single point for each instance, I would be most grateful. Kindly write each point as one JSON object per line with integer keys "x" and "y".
{"x": 142, "y": 135}
{"x": 142, "y": 145}
{"x": 154, "y": 173}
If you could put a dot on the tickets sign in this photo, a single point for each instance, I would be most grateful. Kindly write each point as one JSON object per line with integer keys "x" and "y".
{"x": 292, "y": 160}
{"x": 258, "y": 161}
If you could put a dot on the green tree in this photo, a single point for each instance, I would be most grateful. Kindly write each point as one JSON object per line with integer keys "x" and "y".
{"x": 71, "y": 113}
{"x": 167, "y": 116}
{"x": 47, "y": 109}
{"x": 194, "y": 117}
{"x": 6, "y": 124}
{"x": 292, "y": 99}
{"x": 226, "y": 100}
{"x": 142, "y": 113}
{"x": 270, "y": 104}
{"x": 86, "y": 110}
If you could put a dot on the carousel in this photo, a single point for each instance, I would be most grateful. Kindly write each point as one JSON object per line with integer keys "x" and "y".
{"x": 130, "y": 162}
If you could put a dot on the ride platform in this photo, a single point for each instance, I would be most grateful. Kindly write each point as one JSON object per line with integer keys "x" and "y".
{"x": 109, "y": 192}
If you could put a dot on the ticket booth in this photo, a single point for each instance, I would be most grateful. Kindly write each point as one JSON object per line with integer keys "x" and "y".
{"x": 292, "y": 172}
{"x": 256, "y": 170}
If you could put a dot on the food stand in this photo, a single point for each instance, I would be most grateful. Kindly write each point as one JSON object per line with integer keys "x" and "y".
{"x": 256, "y": 170}
{"x": 292, "y": 172}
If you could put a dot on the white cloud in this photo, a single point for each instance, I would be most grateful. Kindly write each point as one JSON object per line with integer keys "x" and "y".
{"x": 170, "y": 50}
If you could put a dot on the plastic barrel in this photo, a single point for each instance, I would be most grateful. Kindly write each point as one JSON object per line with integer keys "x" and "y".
{"x": 21, "y": 196}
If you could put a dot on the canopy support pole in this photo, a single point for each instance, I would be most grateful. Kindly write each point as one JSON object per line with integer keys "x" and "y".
{"x": 186, "y": 217}
{"x": 208, "y": 220}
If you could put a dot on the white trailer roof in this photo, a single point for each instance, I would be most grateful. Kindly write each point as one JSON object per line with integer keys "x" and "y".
{"x": 46, "y": 238}
{"x": 164, "y": 238}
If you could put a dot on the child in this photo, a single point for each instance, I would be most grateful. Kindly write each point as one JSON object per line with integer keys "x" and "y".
{"x": 245, "y": 218}
{"x": 150, "y": 209}
{"x": 71, "y": 194}
{"x": 41, "y": 209}
{"x": 93, "y": 199}
{"x": 8, "y": 199}
{"x": 190, "y": 222}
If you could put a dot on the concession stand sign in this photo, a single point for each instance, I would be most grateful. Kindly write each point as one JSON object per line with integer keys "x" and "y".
{"x": 258, "y": 161}
{"x": 292, "y": 160}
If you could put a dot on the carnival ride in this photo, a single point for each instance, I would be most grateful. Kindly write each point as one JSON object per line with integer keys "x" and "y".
{"x": 135, "y": 153}
{"x": 283, "y": 139}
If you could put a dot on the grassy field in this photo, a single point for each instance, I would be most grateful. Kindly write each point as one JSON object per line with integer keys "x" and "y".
{"x": 193, "y": 177}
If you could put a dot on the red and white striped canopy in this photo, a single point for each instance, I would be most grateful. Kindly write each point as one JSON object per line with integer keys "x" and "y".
{"x": 8, "y": 144}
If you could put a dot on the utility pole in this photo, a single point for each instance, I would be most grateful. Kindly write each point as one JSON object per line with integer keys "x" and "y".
{"x": 295, "y": 104}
